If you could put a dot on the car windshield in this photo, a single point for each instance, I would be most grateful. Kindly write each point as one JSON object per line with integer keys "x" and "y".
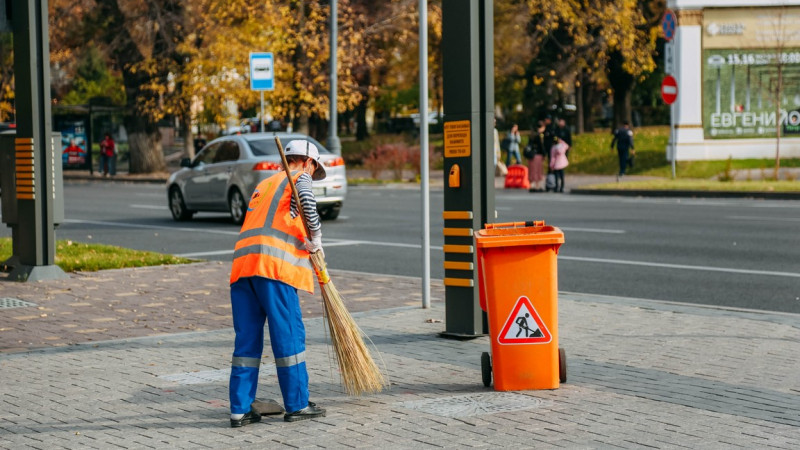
{"x": 267, "y": 147}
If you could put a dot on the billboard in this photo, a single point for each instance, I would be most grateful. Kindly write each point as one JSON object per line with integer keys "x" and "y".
{"x": 740, "y": 93}
{"x": 73, "y": 144}
{"x": 746, "y": 51}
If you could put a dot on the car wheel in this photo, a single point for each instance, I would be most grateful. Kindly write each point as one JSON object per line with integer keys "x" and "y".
{"x": 330, "y": 213}
{"x": 177, "y": 206}
{"x": 237, "y": 206}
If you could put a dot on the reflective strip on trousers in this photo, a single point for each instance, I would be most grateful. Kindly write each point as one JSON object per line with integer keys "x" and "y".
{"x": 289, "y": 361}
{"x": 243, "y": 361}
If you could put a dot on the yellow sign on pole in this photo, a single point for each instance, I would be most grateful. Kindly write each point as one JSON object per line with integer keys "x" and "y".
{"x": 456, "y": 139}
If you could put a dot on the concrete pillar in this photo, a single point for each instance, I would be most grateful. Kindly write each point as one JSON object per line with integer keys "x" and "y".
{"x": 688, "y": 119}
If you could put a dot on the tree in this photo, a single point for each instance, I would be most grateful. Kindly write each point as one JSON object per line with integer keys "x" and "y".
{"x": 608, "y": 42}
{"x": 296, "y": 32}
{"x": 6, "y": 76}
{"x": 143, "y": 39}
{"x": 93, "y": 79}
{"x": 783, "y": 31}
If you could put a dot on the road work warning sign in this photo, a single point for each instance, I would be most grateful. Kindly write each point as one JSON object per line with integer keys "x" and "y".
{"x": 524, "y": 326}
{"x": 456, "y": 139}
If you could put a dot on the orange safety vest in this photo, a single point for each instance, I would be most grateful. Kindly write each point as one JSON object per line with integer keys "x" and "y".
{"x": 271, "y": 243}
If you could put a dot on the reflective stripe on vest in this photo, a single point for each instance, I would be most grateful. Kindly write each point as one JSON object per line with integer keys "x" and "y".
{"x": 271, "y": 243}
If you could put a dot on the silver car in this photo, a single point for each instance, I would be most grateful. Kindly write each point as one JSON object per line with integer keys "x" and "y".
{"x": 224, "y": 174}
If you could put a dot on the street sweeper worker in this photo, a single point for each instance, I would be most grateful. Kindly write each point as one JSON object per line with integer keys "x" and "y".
{"x": 270, "y": 263}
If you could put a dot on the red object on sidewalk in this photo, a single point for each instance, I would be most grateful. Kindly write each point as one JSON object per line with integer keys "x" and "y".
{"x": 517, "y": 177}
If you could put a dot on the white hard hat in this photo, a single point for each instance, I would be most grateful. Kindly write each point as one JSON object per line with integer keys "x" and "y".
{"x": 302, "y": 147}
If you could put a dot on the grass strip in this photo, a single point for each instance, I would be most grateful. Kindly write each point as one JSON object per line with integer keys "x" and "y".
{"x": 80, "y": 257}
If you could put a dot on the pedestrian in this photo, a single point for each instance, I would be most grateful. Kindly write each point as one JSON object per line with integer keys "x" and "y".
{"x": 270, "y": 263}
{"x": 562, "y": 133}
{"x": 558, "y": 162}
{"x": 500, "y": 169}
{"x": 538, "y": 153}
{"x": 623, "y": 137}
{"x": 514, "y": 140}
{"x": 108, "y": 152}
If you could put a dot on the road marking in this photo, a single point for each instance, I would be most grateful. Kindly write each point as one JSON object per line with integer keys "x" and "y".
{"x": 196, "y": 254}
{"x": 765, "y": 219}
{"x": 325, "y": 244}
{"x": 680, "y": 266}
{"x": 160, "y": 208}
{"x": 593, "y": 230}
{"x": 150, "y": 227}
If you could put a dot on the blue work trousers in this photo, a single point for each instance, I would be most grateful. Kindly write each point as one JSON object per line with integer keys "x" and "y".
{"x": 254, "y": 300}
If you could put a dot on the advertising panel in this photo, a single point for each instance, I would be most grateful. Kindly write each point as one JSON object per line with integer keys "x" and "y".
{"x": 740, "y": 91}
{"x": 73, "y": 144}
{"x": 751, "y": 72}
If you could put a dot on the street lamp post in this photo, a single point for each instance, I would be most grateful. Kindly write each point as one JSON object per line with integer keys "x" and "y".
{"x": 333, "y": 140}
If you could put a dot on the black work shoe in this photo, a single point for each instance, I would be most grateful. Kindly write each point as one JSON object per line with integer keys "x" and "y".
{"x": 247, "y": 419}
{"x": 309, "y": 412}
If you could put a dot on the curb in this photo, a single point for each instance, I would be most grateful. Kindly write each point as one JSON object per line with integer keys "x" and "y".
{"x": 576, "y": 191}
{"x": 689, "y": 194}
{"x": 118, "y": 178}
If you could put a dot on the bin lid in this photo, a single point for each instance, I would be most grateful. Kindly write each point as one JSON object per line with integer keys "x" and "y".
{"x": 512, "y": 234}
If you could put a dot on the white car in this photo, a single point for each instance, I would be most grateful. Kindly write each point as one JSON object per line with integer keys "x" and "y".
{"x": 224, "y": 174}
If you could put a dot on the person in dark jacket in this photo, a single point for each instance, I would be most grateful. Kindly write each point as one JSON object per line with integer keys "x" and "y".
{"x": 536, "y": 153}
{"x": 562, "y": 133}
{"x": 623, "y": 137}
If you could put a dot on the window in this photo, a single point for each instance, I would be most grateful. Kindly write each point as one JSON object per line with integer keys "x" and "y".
{"x": 208, "y": 154}
{"x": 266, "y": 147}
{"x": 229, "y": 151}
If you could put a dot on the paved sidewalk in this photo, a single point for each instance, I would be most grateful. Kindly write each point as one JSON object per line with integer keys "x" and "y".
{"x": 641, "y": 373}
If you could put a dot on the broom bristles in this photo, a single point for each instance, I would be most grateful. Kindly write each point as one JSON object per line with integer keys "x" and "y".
{"x": 360, "y": 374}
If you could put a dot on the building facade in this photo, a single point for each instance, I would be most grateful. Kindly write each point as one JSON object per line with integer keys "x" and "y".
{"x": 737, "y": 66}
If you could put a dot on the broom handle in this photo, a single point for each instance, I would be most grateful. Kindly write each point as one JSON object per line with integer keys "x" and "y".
{"x": 295, "y": 194}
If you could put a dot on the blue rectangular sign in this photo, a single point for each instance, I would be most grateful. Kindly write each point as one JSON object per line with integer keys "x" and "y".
{"x": 262, "y": 72}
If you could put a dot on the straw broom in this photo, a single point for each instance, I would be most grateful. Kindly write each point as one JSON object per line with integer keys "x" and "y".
{"x": 359, "y": 372}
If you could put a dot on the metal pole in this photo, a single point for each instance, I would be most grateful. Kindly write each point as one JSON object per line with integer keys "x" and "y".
{"x": 262, "y": 111}
{"x": 423, "y": 153}
{"x": 672, "y": 137}
{"x": 333, "y": 140}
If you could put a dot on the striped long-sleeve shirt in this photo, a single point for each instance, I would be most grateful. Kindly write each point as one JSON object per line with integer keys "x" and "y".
{"x": 309, "y": 203}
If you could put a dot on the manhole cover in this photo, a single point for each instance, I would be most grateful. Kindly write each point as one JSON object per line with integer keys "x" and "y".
{"x": 7, "y": 302}
{"x": 475, "y": 404}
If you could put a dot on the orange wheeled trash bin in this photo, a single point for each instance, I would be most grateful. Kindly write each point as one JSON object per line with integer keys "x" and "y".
{"x": 518, "y": 283}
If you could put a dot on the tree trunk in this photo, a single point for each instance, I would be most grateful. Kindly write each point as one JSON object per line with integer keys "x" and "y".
{"x": 363, "y": 78}
{"x": 622, "y": 84}
{"x": 589, "y": 107}
{"x": 361, "y": 119}
{"x": 302, "y": 121}
{"x": 188, "y": 136}
{"x": 144, "y": 140}
{"x": 580, "y": 105}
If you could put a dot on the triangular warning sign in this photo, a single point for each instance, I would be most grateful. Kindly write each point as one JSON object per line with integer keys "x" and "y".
{"x": 524, "y": 326}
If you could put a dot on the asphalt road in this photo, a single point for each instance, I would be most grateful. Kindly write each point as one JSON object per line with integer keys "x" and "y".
{"x": 737, "y": 253}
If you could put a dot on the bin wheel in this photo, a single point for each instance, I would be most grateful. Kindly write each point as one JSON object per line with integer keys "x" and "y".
{"x": 486, "y": 369}
{"x": 562, "y": 365}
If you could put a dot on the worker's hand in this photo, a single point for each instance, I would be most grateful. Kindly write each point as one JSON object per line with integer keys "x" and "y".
{"x": 314, "y": 244}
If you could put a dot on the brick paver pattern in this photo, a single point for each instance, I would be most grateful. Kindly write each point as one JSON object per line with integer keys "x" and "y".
{"x": 105, "y": 361}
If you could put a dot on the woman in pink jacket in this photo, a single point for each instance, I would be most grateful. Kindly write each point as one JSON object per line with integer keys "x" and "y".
{"x": 558, "y": 161}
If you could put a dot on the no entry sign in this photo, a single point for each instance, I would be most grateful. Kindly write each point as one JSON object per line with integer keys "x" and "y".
{"x": 669, "y": 89}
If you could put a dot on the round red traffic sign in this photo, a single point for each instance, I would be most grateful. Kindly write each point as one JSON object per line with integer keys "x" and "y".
{"x": 668, "y": 24}
{"x": 669, "y": 89}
